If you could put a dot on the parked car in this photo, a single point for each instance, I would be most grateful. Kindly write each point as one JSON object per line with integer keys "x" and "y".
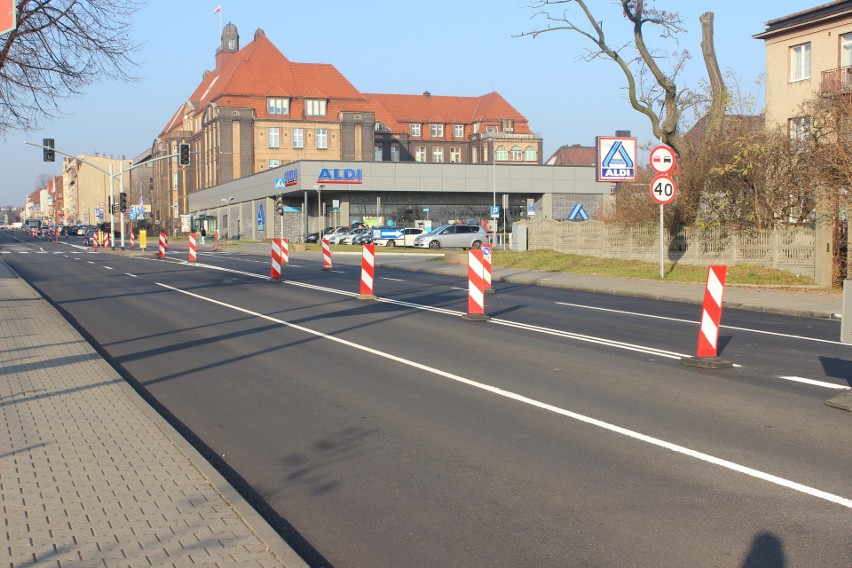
{"x": 453, "y": 236}
{"x": 347, "y": 238}
{"x": 363, "y": 238}
{"x": 406, "y": 239}
{"x": 314, "y": 237}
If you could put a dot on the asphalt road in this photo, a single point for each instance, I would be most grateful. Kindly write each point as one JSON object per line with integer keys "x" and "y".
{"x": 562, "y": 432}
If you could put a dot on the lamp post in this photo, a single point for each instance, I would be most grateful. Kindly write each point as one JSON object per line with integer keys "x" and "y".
{"x": 321, "y": 217}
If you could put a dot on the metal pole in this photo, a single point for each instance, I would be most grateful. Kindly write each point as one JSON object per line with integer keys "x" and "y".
{"x": 111, "y": 206}
{"x": 493, "y": 187}
{"x": 121, "y": 188}
{"x": 662, "y": 275}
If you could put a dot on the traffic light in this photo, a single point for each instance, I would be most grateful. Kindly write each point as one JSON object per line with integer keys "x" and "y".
{"x": 48, "y": 154}
{"x": 122, "y": 202}
{"x": 183, "y": 154}
{"x": 279, "y": 204}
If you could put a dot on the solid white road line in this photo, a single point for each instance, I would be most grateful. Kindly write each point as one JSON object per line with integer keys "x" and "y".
{"x": 695, "y": 322}
{"x": 814, "y": 382}
{"x": 707, "y": 458}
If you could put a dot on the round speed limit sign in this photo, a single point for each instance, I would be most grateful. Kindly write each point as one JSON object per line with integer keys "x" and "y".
{"x": 663, "y": 189}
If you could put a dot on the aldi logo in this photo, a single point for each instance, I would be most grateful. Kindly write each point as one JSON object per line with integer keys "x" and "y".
{"x": 616, "y": 159}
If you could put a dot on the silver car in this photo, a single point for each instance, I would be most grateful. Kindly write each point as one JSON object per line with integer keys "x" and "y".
{"x": 453, "y": 236}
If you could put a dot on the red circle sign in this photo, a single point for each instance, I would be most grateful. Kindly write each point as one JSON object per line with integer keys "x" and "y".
{"x": 662, "y": 159}
{"x": 663, "y": 189}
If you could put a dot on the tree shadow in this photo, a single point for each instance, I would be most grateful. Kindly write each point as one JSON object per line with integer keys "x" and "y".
{"x": 767, "y": 551}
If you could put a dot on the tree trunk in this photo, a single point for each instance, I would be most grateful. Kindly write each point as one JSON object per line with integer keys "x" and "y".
{"x": 719, "y": 95}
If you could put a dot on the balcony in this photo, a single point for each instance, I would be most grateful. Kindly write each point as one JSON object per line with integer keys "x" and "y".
{"x": 836, "y": 81}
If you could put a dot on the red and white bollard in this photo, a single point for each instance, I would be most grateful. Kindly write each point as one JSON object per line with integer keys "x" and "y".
{"x": 368, "y": 271}
{"x": 132, "y": 242}
{"x": 475, "y": 287}
{"x": 275, "y": 270}
{"x": 217, "y": 239}
{"x": 107, "y": 240}
{"x": 285, "y": 251}
{"x": 711, "y": 317}
{"x": 326, "y": 255}
{"x": 57, "y": 234}
{"x": 193, "y": 249}
{"x": 161, "y": 252}
{"x": 486, "y": 268}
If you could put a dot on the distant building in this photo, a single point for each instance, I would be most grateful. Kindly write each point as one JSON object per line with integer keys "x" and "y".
{"x": 575, "y": 155}
{"x": 87, "y": 187}
{"x": 257, "y": 110}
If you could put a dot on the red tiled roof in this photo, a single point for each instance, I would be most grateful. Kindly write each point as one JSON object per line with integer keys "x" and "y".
{"x": 575, "y": 155}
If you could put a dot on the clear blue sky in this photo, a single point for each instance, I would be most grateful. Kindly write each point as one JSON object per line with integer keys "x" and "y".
{"x": 449, "y": 47}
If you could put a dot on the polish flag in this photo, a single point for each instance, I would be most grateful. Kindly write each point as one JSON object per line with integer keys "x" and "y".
{"x": 218, "y": 9}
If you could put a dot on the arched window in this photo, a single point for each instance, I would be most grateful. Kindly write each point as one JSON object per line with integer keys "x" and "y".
{"x": 501, "y": 155}
{"x": 516, "y": 153}
{"x": 530, "y": 154}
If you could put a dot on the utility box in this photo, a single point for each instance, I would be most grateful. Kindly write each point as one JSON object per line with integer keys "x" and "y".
{"x": 519, "y": 237}
{"x": 846, "y": 313}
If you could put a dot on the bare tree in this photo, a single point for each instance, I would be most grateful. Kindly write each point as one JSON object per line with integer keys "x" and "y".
{"x": 659, "y": 98}
{"x": 58, "y": 48}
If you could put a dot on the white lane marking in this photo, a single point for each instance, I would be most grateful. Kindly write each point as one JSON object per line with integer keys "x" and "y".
{"x": 814, "y": 382}
{"x": 696, "y": 323}
{"x": 108, "y": 267}
{"x": 390, "y": 279}
{"x": 751, "y": 472}
{"x": 131, "y": 275}
{"x": 90, "y": 262}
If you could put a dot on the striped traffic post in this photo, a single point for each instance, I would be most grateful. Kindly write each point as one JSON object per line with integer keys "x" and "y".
{"x": 275, "y": 270}
{"x": 193, "y": 256}
{"x": 161, "y": 251}
{"x": 368, "y": 271}
{"x": 486, "y": 268}
{"x": 475, "y": 287}
{"x": 217, "y": 239}
{"x": 711, "y": 317}
{"x": 326, "y": 255}
{"x": 132, "y": 242}
{"x": 285, "y": 251}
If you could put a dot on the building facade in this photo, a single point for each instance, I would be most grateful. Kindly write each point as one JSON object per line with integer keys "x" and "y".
{"x": 258, "y": 111}
{"x": 87, "y": 188}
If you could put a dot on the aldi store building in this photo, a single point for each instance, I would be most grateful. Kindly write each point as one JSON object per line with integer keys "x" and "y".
{"x": 320, "y": 194}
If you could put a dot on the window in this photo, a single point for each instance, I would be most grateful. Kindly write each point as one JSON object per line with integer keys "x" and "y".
{"x": 273, "y": 137}
{"x": 490, "y": 129}
{"x": 516, "y": 153}
{"x": 458, "y": 131}
{"x": 846, "y": 50}
{"x": 437, "y": 154}
{"x": 394, "y": 152}
{"x": 800, "y": 62}
{"x": 274, "y": 163}
{"x": 530, "y": 155}
{"x": 298, "y": 138}
{"x": 507, "y": 125}
{"x": 455, "y": 154}
{"x": 377, "y": 153}
{"x": 315, "y": 107}
{"x": 415, "y": 130}
{"x": 276, "y": 105}
{"x": 501, "y": 155}
{"x": 799, "y": 128}
{"x": 322, "y": 138}
{"x": 436, "y": 130}
{"x": 420, "y": 154}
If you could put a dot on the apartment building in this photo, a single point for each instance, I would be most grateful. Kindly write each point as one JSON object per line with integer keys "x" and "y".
{"x": 87, "y": 188}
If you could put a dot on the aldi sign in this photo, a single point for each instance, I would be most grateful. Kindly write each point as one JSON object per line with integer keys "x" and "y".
{"x": 340, "y": 175}
{"x": 616, "y": 159}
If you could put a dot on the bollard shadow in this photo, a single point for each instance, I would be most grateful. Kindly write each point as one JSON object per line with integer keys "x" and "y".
{"x": 837, "y": 368}
{"x": 767, "y": 551}
{"x": 722, "y": 343}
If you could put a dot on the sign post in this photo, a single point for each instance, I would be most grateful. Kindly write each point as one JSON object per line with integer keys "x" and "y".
{"x": 663, "y": 188}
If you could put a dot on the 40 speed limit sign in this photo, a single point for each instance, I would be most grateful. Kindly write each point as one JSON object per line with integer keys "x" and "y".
{"x": 663, "y": 189}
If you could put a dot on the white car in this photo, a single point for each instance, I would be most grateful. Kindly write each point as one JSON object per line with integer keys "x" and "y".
{"x": 347, "y": 238}
{"x": 406, "y": 239}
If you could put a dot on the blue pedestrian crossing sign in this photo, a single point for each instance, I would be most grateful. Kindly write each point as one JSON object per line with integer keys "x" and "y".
{"x": 578, "y": 213}
{"x": 259, "y": 216}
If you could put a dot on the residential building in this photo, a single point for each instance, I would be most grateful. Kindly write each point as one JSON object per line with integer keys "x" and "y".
{"x": 257, "y": 110}
{"x": 87, "y": 187}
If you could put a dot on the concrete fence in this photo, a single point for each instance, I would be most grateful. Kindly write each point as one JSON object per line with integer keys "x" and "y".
{"x": 790, "y": 249}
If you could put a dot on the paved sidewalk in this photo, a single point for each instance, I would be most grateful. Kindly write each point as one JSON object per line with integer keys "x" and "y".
{"x": 90, "y": 475}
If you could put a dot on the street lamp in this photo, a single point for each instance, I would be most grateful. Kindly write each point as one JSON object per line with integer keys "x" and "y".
{"x": 321, "y": 219}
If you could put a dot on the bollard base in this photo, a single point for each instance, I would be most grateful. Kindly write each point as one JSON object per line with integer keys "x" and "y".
{"x": 706, "y": 362}
{"x": 841, "y": 401}
{"x": 368, "y": 297}
{"x": 326, "y": 269}
{"x": 276, "y": 280}
{"x": 476, "y": 317}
